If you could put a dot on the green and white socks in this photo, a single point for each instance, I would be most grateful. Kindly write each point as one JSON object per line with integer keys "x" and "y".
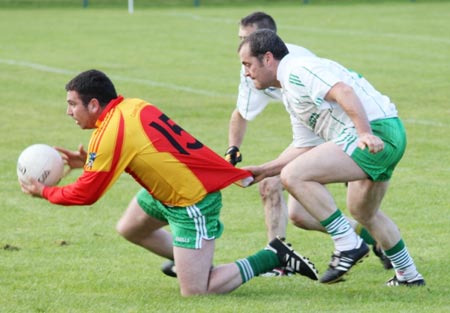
{"x": 341, "y": 232}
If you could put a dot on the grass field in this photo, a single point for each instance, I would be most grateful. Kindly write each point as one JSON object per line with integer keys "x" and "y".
{"x": 70, "y": 259}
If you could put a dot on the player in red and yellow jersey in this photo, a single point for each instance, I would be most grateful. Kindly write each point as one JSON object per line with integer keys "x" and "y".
{"x": 136, "y": 137}
{"x": 181, "y": 177}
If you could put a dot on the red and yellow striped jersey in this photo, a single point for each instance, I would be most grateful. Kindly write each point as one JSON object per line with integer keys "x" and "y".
{"x": 136, "y": 137}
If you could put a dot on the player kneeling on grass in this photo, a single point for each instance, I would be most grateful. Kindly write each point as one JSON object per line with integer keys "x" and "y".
{"x": 182, "y": 179}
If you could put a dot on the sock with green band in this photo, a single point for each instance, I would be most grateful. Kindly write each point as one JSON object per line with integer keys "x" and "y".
{"x": 364, "y": 234}
{"x": 401, "y": 260}
{"x": 341, "y": 231}
{"x": 261, "y": 262}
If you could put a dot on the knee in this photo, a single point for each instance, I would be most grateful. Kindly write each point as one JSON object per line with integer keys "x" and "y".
{"x": 299, "y": 219}
{"x": 361, "y": 216}
{"x": 287, "y": 178}
{"x": 269, "y": 187}
{"x": 295, "y": 218}
{"x": 122, "y": 228}
{"x": 126, "y": 229}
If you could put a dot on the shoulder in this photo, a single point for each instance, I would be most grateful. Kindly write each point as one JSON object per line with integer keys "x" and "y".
{"x": 298, "y": 50}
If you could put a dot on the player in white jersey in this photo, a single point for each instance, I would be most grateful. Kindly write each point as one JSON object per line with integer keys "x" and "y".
{"x": 364, "y": 141}
{"x": 250, "y": 103}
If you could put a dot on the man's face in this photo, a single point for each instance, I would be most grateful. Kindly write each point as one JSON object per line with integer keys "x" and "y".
{"x": 245, "y": 31}
{"x": 85, "y": 116}
{"x": 258, "y": 70}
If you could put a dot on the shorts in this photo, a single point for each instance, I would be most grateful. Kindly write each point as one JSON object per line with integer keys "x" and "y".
{"x": 188, "y": 225}
{"x": 380, "y": 166}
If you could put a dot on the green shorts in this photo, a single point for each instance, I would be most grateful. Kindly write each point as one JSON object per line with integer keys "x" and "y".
{"x": 381, "y": 165}
{"x": 189, "y": 225}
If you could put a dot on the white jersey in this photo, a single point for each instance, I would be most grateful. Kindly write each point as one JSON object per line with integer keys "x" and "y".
{"x": 305, "y": 83}
{"x": 251, "y": 101}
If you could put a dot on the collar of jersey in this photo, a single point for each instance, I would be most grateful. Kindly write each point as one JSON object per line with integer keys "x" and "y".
{"x": 111, "y": 105}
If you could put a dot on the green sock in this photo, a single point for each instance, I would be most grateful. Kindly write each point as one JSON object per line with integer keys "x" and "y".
{"x": 364, "y": 234}
{"x": 261, "y": 262}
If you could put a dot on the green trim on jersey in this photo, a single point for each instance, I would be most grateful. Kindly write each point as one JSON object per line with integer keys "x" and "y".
{"x": 294, "y": 79}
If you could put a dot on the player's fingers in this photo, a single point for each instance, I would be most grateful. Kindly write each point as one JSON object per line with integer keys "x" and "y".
{"x": 362, "y": 145}
{"x": 62, "y": 150}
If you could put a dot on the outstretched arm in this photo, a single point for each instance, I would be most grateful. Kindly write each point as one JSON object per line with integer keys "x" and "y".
{"x": 274, "y": 167}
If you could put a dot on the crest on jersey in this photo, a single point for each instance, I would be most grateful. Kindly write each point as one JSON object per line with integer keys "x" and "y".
{"x": 91, "y": 159}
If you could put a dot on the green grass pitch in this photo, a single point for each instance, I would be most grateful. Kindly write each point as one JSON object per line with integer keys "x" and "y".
{"x": 70, "y": 259}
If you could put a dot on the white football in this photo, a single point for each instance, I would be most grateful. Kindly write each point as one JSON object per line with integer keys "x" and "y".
{"x": 41, "y": 162}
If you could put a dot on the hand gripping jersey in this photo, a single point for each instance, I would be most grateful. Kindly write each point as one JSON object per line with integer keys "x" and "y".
{"x": 136, "y": 137}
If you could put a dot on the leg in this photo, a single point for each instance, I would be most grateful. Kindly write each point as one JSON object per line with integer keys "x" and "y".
{"x": 306, "y": 176}
{"x": 193, "y": 277}
{"x": 141, "y": 229}
{"x": 271, "y": 192}
{"x": 305, "y": 179}
{"x": 195, "y": 280}
{"x": 363, "y": 200}
{"x": 276, "y": 216}
{"x": 301, "y": 218}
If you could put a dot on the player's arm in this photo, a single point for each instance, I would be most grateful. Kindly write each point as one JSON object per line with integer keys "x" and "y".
{"x": 236, "y": 132}
{"x": 274, "y": 167}
{"x": 303, "y": 140}
{"x": 237, "y": 129}
{"x": 346, "y": 97}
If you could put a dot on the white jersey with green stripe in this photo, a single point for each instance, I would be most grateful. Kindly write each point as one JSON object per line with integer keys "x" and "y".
{"x": 305, "y": 83}
{"x": 251, "y": 101}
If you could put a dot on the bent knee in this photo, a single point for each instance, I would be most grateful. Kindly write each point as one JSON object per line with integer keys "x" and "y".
{"x": 287, "y": 178}
{"x": 270, "y": 186}
{"x": 122, "y": 228}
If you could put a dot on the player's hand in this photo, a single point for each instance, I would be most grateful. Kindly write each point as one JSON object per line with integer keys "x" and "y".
{"x": 233, "y": 155}
{"x": 32, "y": 187}
{"x": 74, "y": 159}
{"x": 257, "y": 172}
{"x": 371, "y": 142}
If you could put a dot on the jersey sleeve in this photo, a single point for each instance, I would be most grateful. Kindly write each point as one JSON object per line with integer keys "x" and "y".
{"x": 87, "y": 189}
{"x": 104, "y": 165}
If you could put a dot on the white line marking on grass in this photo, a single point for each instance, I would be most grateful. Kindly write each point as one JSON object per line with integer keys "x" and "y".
{"x": 48, "y": 69}
{"x": 147, "y": 82}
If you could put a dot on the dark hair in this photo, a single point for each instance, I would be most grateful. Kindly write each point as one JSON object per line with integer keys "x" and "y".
{"x": 265, "y": 40}
{"x": 93, "y": 84}
{"x": 260, "y": 20}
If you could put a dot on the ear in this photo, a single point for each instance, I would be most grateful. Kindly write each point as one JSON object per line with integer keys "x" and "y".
{"x": 268, "y": 57}
{"x": 94, "y": 106}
